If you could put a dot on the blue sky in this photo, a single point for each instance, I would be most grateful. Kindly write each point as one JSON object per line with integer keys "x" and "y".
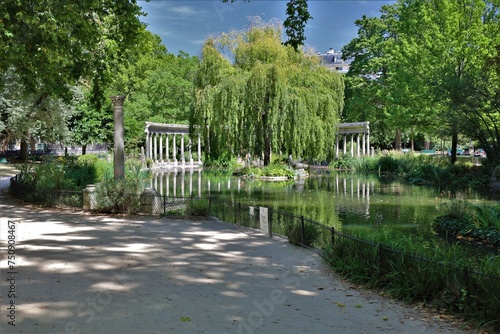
{"x": 185, "y": 24}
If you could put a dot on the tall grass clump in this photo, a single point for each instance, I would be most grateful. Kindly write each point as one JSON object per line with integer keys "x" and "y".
{"x": 476, "y": 222}
{"x": 59, "y": 174}
{"x": 443, "y": 276}
{"x": 419, "y": 169}
{"x": 122, "y": 196}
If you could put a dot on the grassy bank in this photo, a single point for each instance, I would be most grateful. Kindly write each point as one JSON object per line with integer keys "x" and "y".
{"x": 422, "y": 169}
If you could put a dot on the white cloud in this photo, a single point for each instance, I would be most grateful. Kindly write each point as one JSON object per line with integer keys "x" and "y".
{"x": 186, "y": 11}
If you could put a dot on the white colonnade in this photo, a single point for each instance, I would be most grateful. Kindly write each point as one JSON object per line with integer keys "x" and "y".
{"x": 161, "y": 145}
{"x": 359, "y": 131}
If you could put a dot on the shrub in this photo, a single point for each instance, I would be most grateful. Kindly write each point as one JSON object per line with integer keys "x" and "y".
{"x": 117, "y": 196}
{"x": 121, "y": 195}
{"x": 480, "y": 222}
{"x": 87, "y": 159}
{"x": 277, "y": 171}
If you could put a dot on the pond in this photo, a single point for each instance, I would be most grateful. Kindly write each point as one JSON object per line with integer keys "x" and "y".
{"x": 347, "y": 202}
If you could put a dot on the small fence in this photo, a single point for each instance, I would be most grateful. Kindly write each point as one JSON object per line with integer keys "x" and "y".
{"x": 409, "y": 276}
{"x": 30, "y": 194}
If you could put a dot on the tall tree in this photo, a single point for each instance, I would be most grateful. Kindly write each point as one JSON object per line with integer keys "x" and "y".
{"x": 51, "y": 45}
{"x": 269, "y": 99}
{"x": 446, "y": 43}
{"x": 28, "y": 117}
{"x": 428, "y": 61}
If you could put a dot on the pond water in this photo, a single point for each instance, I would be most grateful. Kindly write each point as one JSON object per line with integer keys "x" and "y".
{"x": 347, "y": 202}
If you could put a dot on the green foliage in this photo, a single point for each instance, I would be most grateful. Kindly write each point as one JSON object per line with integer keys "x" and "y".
{"x": 87, "y": 159}
{"x": 222, "y": 166}
{"x": 276, "y": 170}
{"x": 251, "y": 171}
{"x": 67, "y": 38}
{"x": 301, "y": 236}
{"x": 401, "y": 83}
{"x": 479, "y": 222}
{"x": 270, "y": 99}
{"x": 295, "y": 23}
{"x": 198, "y": 208}
{"x": 57, "y": 174}
{"x": 409, "y": 269}
{"x": 117, "y": 196}
{"x": 158, "y": 86}
{"x": 418, "y": 169}
{"x": 486, "y": 216}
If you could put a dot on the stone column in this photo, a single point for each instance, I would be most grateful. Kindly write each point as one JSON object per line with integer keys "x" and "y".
{"x": 150, "y": 148}
{"x": 147, "y": 144}
{"x": 363, "y": 151}
{"x": 182, "y": 150}
{"x": 161, "y": 147}
{"x": 162, "y": 175}
{"x": 191, "y": 182}
{"x": 337, "y": 147}
{"x": 168, "y": 185}
{"x": 345, "y": 144}
{"x": 119, "y": 154}
{"x": 368, "y": 137}
{"x": 357, "y": 144}
{"x": 183, "y": 179}
{"x": 166, "y": 148}
{"x": 174, "y": 183}
{"x": 156, "y": 147}
{"x": 352, "y": 145}
{"x": 190, "y": 153}
{"x": 175, "y": 152}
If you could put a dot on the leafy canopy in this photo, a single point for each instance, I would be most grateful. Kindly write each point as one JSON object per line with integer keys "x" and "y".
{"x": 269, "y": 98}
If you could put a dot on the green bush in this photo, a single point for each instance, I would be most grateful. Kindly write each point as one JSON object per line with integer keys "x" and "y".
{"x": 480, "y": 222}
{"x": 119, "y": 196}
{"x": 87, "y": 159}
{"x": 277, "y": 171}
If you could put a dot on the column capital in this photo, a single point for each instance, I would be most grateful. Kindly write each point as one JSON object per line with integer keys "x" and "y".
{"x": 117, "y": 100}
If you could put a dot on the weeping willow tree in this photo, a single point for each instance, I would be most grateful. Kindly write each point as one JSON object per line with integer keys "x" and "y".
{"x": 255, "y": 95}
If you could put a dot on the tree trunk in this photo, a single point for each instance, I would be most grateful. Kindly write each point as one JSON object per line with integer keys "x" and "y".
{"x": 398, "y": 140}
{"x": 84, "y": 149}
{"x": 23, "y": 155}
{"x": 454, "y": 142}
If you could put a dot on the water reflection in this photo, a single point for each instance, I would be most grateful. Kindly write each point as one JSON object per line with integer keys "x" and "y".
{"x": 347, "y": 202}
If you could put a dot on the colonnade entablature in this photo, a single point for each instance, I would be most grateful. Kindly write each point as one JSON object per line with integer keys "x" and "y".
{"x": 171, "y": 146}
{"x": 359, "y": 131}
